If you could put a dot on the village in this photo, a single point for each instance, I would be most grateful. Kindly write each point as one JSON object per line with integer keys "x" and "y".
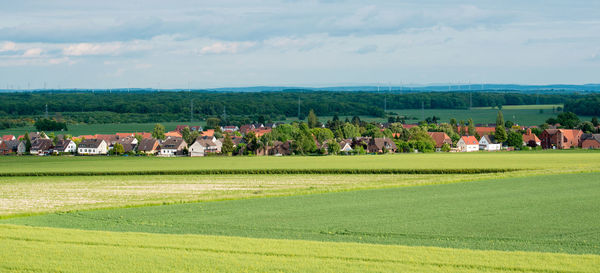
{"x": 280, "y": 139}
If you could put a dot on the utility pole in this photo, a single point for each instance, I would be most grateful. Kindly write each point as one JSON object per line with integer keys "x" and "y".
{"x": 191, "y": 110}
{"x": 298, "y": 108}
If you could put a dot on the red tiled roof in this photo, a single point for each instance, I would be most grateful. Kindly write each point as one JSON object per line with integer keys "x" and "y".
{"x": 440, "y": 138}
{"x": 260, "y": 132}
{"x": 8, "y": 137}
{"x": 208, "y": 132}
{"x": 470, "y": 140}
{"x": 173, "y": 134}
{"x": 123, "y": 135}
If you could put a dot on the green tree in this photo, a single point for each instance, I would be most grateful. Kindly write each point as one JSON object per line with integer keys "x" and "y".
{"x": 568, "y": 120}
{"x": 159, "y": 131}
{"x": 500, "y": 132}
{"x": 303, "y": 140}
{"x": 228, "y": 146}
{"x": 322, "y": 134}
{"x": 333, "y": 147}
{"x": 350, "y": 131}
{"x": 27, "y": 142}
{"x": 514, "y": 139}
{"x": 471, "y": 127}
{"x": 118, "y": 149}
{"x": 312, "y": 119}
{"x": 500, "y": 119}
{"x": 595, "y": 121}
{"x": 212, "y": 123}
{"x": 445, "y": 147}
{"x": 138, "y": 137}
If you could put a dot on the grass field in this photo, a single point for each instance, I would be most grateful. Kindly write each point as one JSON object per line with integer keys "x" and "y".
{"x": 110, "y": 128}
{"x": 576, "y": 160}
{"x": 545, "y": 213}
{"x": 542, "y": 218}
{"x": 24, "y": 249}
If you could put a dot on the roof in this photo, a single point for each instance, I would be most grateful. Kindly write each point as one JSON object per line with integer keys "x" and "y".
{"x": 570, "y": 134}
{"x": 205, "y": 141}
{"x": 91, "y": 143}
{"x": 595, "y": 137}
{"x": 491, "y": 139}
{"x": 470, "y": 140}
{"x": 529, "y": 136}
{"x": 440, "y": 138}
{"x": 41, "y": 144}
{"x": 208, "y": 132}
{"x": 147, "y": 144}
{"x": 173, "y": 143}
{"x": 8, "y": 137}
{"x": 126, "y": 140}
{"x": 123, "y": 135}
{"x": 381, "y": 142}
{"x": 485, "y": 130}
{"x": 62, "y": 144}
{"x": 261, "y": 131}
{"x": 173, "y": 134}
{"x": 110, "y": 139}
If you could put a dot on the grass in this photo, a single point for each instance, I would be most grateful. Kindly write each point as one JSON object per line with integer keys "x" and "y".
{"x": 109, "y": 128}
{"x": 548, "y": 160}
{"x": 544, "y": 213}
{"x": 523, "y": 107}
{"x": 34, "y": 195}
{"x": 26, "y": 249}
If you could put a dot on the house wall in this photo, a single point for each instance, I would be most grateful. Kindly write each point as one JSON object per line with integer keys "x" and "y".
{"x": 590, "y": 144}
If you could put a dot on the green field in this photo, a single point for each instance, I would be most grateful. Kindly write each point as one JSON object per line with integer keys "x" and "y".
{"x": 548, "y": 160}
{"x": 110, "y": 128}
{"x": 545, "y": 213}
{"x": 540, "y": 218}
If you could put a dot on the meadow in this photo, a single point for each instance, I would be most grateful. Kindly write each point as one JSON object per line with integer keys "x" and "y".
{"x": 539, "y": 217}
{"x": 545, "y": 213}
{"x": 576, "y": 160}
{"x": 26, "y": 249}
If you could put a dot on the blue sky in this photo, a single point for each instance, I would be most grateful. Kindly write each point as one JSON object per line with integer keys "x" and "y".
{"x": 204, "y": 44}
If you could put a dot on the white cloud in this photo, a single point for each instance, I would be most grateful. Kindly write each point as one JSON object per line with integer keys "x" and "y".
{"x": 84, "y": 49}
{"x": 33, "y": 52}
{"x": 226, "y": 47}
{"x": 8, "y": 46}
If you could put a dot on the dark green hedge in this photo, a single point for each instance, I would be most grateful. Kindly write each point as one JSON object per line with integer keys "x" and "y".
{"x": 266, "y": 171}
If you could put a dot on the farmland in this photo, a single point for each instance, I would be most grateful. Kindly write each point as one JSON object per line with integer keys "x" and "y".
{"x": 560, "y": 211}
{"x": 101, "y": 128}
{"x": 539, "y": 217}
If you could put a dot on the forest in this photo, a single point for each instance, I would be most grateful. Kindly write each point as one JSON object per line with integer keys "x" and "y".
{"x": 239, "y": 107}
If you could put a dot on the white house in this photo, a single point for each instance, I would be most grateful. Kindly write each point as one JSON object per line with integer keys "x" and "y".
{"x": 488, "y": 143}
{"x": 197, "y": 149}
{"x": 204, "y": 145}
{"x": 172, "y": 147}
{"x": 65, "y": 146}
{"x": 92, "y": 147}
{"x": 346, "y": 145}
{"x": 467, "y": 144}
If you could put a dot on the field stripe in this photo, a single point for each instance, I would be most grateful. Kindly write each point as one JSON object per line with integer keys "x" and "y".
{"x": 265, "y": 171}
{"x": 289, "y": 250}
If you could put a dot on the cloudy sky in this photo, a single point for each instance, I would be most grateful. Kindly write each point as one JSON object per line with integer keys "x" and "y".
{"x": 205, "y": 44}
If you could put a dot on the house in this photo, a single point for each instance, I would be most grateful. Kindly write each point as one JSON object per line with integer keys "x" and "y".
{"x": 381, "y": 145}
{"x": 261, "y": 131}
{"x": 467, "y": 144}
{"x": 65, "y": 146}
{"x": 440, "y": 139}
{"x": 172, "y": 146}
{"x": 246, "y": 128}
{"x": 128, "y": 140}
{"x": 560, "y": 138}
{"x": 4, "y": 150}
{"x": 21, "y": 148}
{"x": 488, "y": 143}
{"x": 229, "y": 129}
{"x": 204, "y": 145}
{"x": 92, "y": 147}
{"x": 483, "y": 131}
{"x": 281, "y": 148}
{"x": 41, "y": 146}
{"x": 590, "y": 141}
{"x": 208, "y": 133}
{"x": 148, "y": 146}
{"x": 8, "y": 138}
{"x": 346, "y": 145}
{"x": 109, "y": 139}
{"x": 180, "y": 128}
{"x": 11, "y": 147}
{"x": 530, "y": 139}
{"x": 173, "y": 134}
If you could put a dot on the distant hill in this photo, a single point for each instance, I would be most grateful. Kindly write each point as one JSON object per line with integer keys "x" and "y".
{"x": 541, "y": 89}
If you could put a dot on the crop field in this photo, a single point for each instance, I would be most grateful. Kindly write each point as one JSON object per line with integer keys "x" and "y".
{"x": 104, "y": 128}
{"x": 540, "y": 215}
{"x": 577, "y": 160}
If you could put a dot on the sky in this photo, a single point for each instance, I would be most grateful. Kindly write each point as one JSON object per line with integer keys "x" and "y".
{"x": 233, "y": 43}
